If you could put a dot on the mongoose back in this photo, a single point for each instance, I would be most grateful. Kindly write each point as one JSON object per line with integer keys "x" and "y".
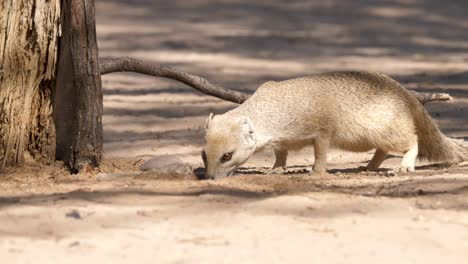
{"x": 355, "y": 111}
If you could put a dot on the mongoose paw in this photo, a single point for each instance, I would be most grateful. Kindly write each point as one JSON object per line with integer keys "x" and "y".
{"x": 363, "y": 168}
{"x": 317, "y": 170}
{"x": 277, "y": 170}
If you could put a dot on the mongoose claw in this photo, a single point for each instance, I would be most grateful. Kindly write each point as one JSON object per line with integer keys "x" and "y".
{"x": 404, "y": 170}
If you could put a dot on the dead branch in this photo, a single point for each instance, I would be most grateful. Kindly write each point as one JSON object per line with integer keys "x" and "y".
{"x": 431, "y": 97}
{"x": 126, "y": 64}
{"x": 133, "y": 65}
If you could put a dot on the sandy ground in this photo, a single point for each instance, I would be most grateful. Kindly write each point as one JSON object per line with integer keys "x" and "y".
{"x": 48, "y": 216}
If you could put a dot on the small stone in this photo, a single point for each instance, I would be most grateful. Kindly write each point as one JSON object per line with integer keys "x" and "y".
{"x": 199, "y": 172}
{"x": 142, "y": 213}
{"x": 418, "y": 218}
{"x": 168, "y": 167}
{"x": 162, "y": 162}
{"x": 73, "y": 214}
{"x": 74, "y": 244}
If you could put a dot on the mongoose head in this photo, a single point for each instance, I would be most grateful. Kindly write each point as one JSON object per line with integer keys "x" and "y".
{"x": 230, "y": 141}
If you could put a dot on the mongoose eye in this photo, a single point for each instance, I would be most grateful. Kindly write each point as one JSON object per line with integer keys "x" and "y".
{"x": 226, "y": 157}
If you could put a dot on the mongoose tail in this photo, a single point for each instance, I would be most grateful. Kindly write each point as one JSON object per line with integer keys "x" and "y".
{"x": 435, "y": 146}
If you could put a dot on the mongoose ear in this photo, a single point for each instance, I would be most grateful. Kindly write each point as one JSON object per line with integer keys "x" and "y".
{"x": 247, "y": 129}
{"x": 208, "y": 120}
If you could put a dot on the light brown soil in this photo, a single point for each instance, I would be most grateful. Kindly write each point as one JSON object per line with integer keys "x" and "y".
{"x": 48, "y": 216}
{"x": 343, "y": 217}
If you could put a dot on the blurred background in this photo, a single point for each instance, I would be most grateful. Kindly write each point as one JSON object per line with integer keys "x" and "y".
{"x": 242, "y": 43}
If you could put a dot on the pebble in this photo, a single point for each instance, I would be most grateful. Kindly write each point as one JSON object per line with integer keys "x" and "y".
{"x": 162, "y": 163}
{"x": 73, "y": 214}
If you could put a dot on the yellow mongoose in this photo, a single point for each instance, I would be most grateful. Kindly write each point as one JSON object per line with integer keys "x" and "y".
{"x": 356, "y": 111}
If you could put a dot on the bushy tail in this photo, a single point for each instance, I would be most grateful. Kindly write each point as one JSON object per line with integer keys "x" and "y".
{"x": 433, "y": 145}
{"x": 459, "y": 148}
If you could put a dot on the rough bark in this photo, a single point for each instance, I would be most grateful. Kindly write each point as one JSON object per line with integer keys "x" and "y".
{"x": 78, "y": 99}
{"x": 126, "y": 64}
{"x": 28, "y": 40}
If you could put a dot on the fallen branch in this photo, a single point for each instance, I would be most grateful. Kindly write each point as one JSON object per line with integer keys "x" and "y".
{"x": 431, "y": 97}
{"x": 133, "y": 65}
{"x": 126, "y": 64}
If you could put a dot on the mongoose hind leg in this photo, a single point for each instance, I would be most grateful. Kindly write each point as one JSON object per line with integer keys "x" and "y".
{"x": 377, "y": 159}
{"x": 321, "y": 146}
{"x": 281, "y": 156}
{"x": 409, "y": 159}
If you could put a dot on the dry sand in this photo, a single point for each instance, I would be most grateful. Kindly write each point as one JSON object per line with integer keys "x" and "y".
{"x": 345, "y": 216}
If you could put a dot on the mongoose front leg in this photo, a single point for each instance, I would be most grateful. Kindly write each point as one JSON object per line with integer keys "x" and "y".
{"x": 378, "y": 158}
{"x": 321, "y": 146}
{"x": 281, "y": 156}
{"x": 409, "y": 159}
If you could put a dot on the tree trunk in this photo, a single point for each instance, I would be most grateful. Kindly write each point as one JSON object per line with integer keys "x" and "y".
{"x": 78, "y": 98}
{"x": 28, "y": 50}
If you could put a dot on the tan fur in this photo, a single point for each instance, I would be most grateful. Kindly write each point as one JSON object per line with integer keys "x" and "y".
{"x": 356, "y": 111}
